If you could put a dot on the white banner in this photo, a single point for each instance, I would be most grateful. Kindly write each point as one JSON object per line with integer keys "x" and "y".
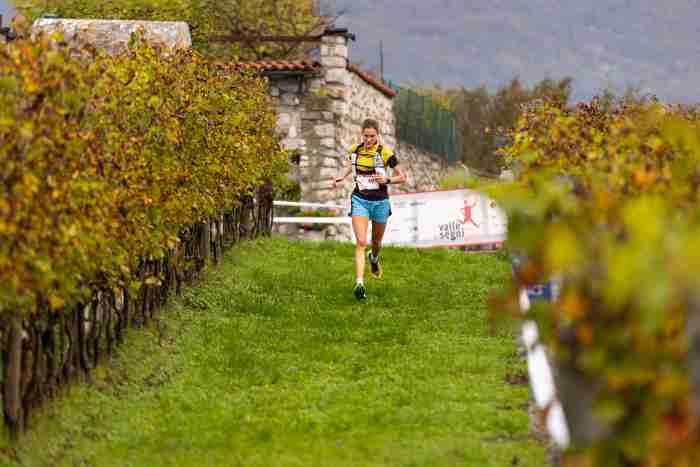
{"x": 445, "y": 218}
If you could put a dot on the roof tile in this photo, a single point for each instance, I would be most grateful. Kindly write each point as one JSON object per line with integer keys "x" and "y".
{"x": 369, "y": 78}
{"x": 274, "y": 65}
{"x": 305, "y": 65}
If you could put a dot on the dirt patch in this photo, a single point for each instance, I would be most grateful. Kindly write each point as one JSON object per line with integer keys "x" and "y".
{"x": 517, "y": 378}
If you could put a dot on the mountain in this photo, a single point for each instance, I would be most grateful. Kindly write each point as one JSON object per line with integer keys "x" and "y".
{"x": 603, "y": 44}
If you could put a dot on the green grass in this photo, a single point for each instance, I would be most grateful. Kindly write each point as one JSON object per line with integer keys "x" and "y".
{"x": 272, "y": 362}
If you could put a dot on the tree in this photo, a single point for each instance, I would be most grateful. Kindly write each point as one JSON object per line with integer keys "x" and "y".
{"x": 257, "y": 29}
{"x": 482, "y": 117}
{"x": 472, "y": 114}
{"x": 444, "y": 98}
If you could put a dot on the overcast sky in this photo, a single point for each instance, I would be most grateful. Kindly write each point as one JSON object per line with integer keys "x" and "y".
{"x": 652, "y": 44}
{"x": 6, "y": 12}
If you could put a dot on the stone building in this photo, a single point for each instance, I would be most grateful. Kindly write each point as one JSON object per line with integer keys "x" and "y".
{"x": 321, "y": 103}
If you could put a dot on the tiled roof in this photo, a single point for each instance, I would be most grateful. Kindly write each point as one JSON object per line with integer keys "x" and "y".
{"x": 275, "y": 65}
{"x": 305, "y": 65}
{"x": 369, "y": 78}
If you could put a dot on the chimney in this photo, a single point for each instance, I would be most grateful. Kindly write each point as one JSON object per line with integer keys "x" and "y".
{"x": 334, "y": 48}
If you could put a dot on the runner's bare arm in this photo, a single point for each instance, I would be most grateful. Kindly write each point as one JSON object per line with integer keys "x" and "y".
{"x": 347, "y": 168}
{"x": 396, "y": 177}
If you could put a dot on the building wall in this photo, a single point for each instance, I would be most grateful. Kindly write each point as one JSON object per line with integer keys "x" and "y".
{"x": 320, "y": 117}
{"x": 423, "y": 169}
{"x": 367, "y": 102}
{"x": 307, "y": 126}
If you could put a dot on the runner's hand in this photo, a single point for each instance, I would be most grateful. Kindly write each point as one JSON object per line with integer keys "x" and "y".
{"x": 337, "y": 180}
{"x": 381, "y": 179}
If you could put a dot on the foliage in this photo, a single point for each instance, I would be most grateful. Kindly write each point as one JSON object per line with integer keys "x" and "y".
{"x": 47, "y": 171}
{"x": 608, "y": 200}
{"x": 252, "y": 18}
{"x": 317, "y": 213}
{"x": 272, "y": 350}
{"x": 194, "y": 12}
{"x": 424, "y": 122}
{"x": 286, "y": 189}
{"x": 443, "y": 98}
{"x": 457, "y": 178}
{"x": 208, "y": 19}
{"x": 482, "y": 117}
{"x": 105, "y": 162}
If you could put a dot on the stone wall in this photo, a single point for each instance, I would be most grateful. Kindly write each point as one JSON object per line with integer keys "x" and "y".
{"x": 113, "y": 35}
{"x": 320, "y": 116}
{"x": 307, "y": 125}
{"x": 422, "y": 169}
{"x": 337, "y": 86}
{"x": 367, "y": 102}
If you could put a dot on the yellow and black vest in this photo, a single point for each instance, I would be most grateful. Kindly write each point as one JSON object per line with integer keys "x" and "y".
{"x": 368, "y": 161}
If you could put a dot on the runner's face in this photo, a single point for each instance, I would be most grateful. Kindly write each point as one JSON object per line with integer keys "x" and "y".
{"x": 369, "y": 136}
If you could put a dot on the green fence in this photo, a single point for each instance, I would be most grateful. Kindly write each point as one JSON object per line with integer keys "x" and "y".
{"x": 424, "y": 124}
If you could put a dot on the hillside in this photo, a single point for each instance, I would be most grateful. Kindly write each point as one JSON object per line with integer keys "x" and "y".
{"x": 601, "y": 44}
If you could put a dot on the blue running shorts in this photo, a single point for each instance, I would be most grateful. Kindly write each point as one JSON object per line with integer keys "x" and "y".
{"x": 376, "y": 211}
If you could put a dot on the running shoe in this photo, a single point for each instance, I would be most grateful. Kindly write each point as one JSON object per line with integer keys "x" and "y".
{"x": 359, "y": 292}
{"x": 375, "y": 266}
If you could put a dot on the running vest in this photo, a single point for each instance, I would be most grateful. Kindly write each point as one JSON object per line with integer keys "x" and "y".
{"x": 362, "y": 182}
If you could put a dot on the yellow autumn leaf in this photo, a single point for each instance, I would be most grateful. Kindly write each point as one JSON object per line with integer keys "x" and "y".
{"x": 562, "y": 248}
{"x": 152, "y": 280}
{"x": 56, "y": 302}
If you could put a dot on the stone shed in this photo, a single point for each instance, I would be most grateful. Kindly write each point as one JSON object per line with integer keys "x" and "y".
{"x": 321, "y": 102}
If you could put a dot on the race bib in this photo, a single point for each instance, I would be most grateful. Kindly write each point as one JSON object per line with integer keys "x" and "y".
{"x": 365, "y": 182}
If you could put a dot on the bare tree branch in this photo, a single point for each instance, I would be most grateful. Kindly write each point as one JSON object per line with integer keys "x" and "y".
{"x": 256, "y": 25}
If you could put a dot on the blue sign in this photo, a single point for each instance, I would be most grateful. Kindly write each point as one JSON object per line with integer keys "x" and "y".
{"x": 548, "y": 291}
{"x": 540, "y": 292}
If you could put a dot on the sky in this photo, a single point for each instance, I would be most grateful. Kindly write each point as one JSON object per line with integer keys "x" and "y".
{"x": 653, "y": 45}
{"x": 6, "y": 11}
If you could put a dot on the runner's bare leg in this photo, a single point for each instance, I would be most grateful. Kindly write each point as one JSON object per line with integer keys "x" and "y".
{"x": 359, "y": 227}
{"x": 377, "y": 236}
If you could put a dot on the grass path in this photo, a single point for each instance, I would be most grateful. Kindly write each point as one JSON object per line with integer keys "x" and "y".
{"x": 271, "y": 362}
